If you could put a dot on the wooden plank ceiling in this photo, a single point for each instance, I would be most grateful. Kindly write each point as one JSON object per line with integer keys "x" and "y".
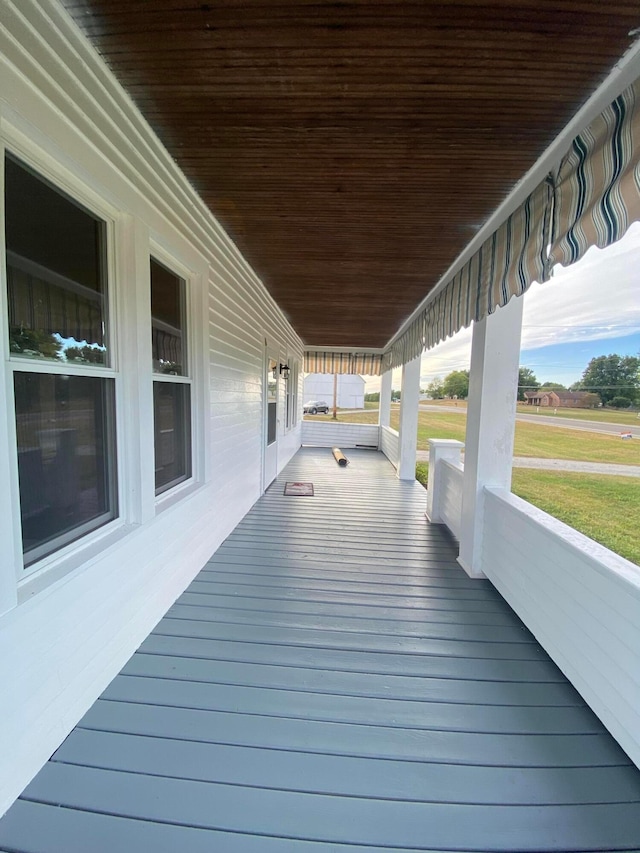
{"x": 352, "y": 149}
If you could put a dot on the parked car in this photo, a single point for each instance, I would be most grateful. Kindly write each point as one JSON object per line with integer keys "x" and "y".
{"x": 315, "y": 406}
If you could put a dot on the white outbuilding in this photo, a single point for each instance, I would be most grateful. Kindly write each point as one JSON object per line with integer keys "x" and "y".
{"x": 319, "y": 386}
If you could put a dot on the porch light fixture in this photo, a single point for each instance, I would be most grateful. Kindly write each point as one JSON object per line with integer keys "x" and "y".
{"x": 285, "y": 370}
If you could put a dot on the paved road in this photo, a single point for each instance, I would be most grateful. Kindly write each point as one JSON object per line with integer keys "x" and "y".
{"x": 563, "y": 465}
{"x": 588, "y": 426}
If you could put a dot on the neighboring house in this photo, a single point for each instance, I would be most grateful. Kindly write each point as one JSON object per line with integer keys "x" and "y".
{"x": 350, "y": 390}
{"x": 564, "y": 399}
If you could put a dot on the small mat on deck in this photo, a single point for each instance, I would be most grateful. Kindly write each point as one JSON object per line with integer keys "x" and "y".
{"x": 304, "y": 490}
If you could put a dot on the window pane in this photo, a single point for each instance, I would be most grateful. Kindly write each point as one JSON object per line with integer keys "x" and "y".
{"x": 272, "y": 401}
{"x": 172, "y": 427}
{"x": 167, "y": 321}
{"x": 287, "y": 393}
{"x": 55, "y": 272}
{"x": 66, "y": 458}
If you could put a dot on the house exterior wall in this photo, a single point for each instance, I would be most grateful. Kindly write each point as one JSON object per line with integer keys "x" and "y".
{"x": 319, "y": 386}
{"x": 68, "y": 625}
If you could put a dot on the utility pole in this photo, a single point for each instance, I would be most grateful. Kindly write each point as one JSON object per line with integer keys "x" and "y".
{"x": 335, "y": 397}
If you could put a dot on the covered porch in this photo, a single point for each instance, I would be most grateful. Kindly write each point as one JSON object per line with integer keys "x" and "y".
{"x": 333, "y": 680}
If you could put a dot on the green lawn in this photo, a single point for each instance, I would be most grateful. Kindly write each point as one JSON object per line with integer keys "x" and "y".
{"x": 601, "y": 506}
{"x": 534, "y": 440}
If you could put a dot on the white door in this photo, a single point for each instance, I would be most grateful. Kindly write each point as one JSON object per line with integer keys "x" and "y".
{"x": 270, "y": 419}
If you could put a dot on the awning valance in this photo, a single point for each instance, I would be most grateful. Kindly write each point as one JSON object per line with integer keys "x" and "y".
{"x": 597, "y": 187}
{"x": 369, "y": 364}
{"x": 504, "y": 266}
{"x": 590, "y": 200}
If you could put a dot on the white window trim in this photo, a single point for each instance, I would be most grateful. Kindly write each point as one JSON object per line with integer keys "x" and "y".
{"x": 288, "y": 397}
{"x": 67, "y": 557}
{"x": 296, "y": 391}
{"x": 192, "y": 270}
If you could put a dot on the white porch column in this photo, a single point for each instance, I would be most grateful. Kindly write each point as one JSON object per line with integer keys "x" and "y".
{"x": 385, "y": 399}
{"x": 409, "y": 400}
{"x": 493, "y": 392}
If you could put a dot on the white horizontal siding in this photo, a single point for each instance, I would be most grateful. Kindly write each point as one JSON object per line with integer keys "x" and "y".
{"x": 328, "y": 434}
{"x": 580, "y": 600}
{"x": 389, "y": 444}
{"x": 60, "y": 647}
{"x": 450, "y": 479}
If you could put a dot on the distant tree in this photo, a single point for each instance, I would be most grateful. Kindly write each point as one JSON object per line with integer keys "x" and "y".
{"x": 590, "y": 400}
{"x": 33, "y": 342}
{"x": 526, "y": 381}
{"x": 372, "y": 397}
{"x": 612, "y": 376}
{"x": 456, "y": 384}
{"x": 553, "y": 386}
{"x": 435, "y": 389}
{"x": 86, "y": 354}
{"x": 620, "y": 402}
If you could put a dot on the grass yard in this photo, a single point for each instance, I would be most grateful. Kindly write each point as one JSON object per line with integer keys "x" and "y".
{"x": 422, "y": 473}
{"x": 556, "y": 443}
{"x": 603, "y": 507}
{"x": 532, "y": 440}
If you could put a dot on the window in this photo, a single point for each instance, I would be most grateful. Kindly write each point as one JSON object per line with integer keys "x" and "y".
{"x": 172, "y": 384}
{"x": 272, "y": 401}
{"x": 60, "y": 360}
{"x": 288, "y": 398}
{"x": 291, "y": 394}
{"x": 294, "y": 382}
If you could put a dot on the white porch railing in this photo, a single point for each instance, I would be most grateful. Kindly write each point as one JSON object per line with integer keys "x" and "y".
{"x": 390, "y": 444}
{"x": 337, "y": 434}
{"x": 579, "y": 599}
{"x": 451, "y": 476}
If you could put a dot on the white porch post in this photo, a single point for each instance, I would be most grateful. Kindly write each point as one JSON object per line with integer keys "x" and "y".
{"x": 493, "y": 392}
{"x": 385, "y": 399}
{"x": 409, "y": 400}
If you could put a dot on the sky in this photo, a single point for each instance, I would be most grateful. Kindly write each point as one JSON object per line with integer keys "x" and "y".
{"x": 589, "y": 309}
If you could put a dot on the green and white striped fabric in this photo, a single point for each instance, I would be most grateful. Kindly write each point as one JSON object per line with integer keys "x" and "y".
{"x": 504, "y": 266}
{"x": 597, "y": 187}
{"x": 369, "y": 364}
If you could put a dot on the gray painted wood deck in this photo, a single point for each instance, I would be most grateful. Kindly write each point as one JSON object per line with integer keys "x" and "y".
{"x": 332, "y": 681}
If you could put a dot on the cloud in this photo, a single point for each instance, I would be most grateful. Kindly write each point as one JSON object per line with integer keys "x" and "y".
{"x": 594, "y": 299}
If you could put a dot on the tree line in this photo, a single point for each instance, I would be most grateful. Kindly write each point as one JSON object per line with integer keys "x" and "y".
{"x": 610, "y": 380}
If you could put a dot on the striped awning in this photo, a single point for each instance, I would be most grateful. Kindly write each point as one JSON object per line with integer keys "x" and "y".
{"x": 369, "y": 364}
{"x": 591, "y": 200}
{"x": 597, "y": 187}
{"x": 504, "y": 266}
{"x": 47, "y": 303}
